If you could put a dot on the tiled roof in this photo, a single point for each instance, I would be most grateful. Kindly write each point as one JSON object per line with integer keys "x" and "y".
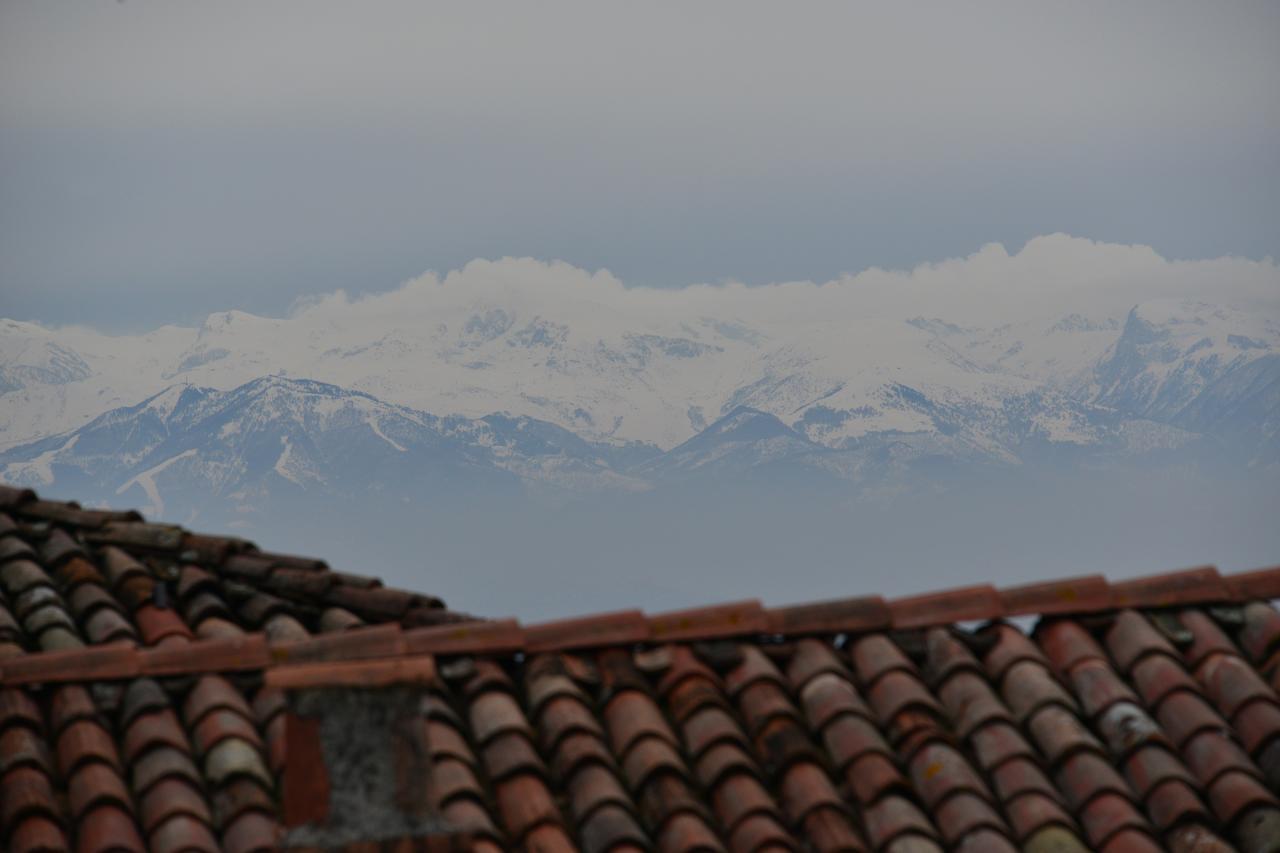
{"x": 142, "y": 671}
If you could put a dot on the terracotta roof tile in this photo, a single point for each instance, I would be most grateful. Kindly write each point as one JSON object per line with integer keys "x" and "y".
{"x": 1066, "y": 595}
{"x": 1260, "y": 584}
{"x": 1260, "y": 633}
{"x": 1190, "y": 586}
{"x": 210, "y": 693}
{"x": 1175, "y": 802}
{"x": 38, "y": 833}
{"x": 523, "y": 803}
{"x": 720, "y": 760}
{"x": 898, "y": 691}
{"x": 170, "y": 798}
{"x": 1130, "y": 840}
{"x": 233, "y": 758}
{"x": 722, "y": 620}
{"x": 760, "y": 832}
{"x": 892, "y": 817}
{"x": 93, "y": 785}
{"x": 966, "y": 813}
{"x": 240, "y": 796}
{"x": 108, "y": 828}
{"x": 22, "y": 746}
{"x": 1234, "y": 793}
{"x": 375, "y": 673}
{"x": 1230, "y": 683}
{"x": 867, "y": 613}
{"x": 739, "y": 796}
{"x": 708, "y": 727}
{"x": 997, "y": 742}
{"x": 471, "y": 637}
{"x": 83, "y": 741}
{"x": 469, "y": 816}
{"x": 939, "y": 771}
{"x": 251, "y": 832}
{"x": 610, "y": 629}
{"x": 28, "y": 791}
{"x": 1031, "y": 814}
{"x": 1008, "y": 646}
{"x": 1109, "y": 814}
{"x": 509, "y": 754}
{"x": 942, "y": 608}
{"x": 610, "y": 827}
{"x": 648, "y": 758}
{"x": 1139, "y": 713}
{"x": 243, "y": 651}
{"x": 1156, "y": 677}
{"x": 181, "y": 833}
{"x": 1148, "y": 768}
{"x": 70, "y": 703}
{"x": 1017, "y": 776}
{"x": 18, "y": 708}
{"x": 1257, "y": 724}
{"x": 494, "y": 713}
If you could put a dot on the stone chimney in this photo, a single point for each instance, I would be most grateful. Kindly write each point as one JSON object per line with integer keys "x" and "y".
{"x": 356, "y": 765}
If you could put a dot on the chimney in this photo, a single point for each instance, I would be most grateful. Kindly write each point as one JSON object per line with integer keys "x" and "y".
{"x": 356, "y": 764}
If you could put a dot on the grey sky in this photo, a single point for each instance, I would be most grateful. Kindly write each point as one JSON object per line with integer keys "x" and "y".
{"x": 162, "y": 160}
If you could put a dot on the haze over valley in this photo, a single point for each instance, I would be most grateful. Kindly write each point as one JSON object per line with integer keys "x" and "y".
{"x": 502, "y": 406}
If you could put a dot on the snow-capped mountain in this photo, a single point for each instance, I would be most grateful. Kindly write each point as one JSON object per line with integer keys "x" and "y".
{"x": 1200, "y": 368}
{"x": 1104, "y": 363}
{"x": 190, "y": 449}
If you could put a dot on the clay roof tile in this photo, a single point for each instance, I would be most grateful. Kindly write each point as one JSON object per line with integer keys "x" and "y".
{"x": 108, "y": 828}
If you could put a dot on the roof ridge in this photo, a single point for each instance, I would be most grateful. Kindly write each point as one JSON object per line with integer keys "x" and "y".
{"x": 388, "y": 641}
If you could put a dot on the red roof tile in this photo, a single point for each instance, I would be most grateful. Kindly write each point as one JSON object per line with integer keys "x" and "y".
{"x": 866, "y": 613}
{"x": 1068, "y": 595}
{"x": 1190, "y": 586}
{"x": 1261, "y": 584}
{"x": 844, "y": 725}
{"x": 373, "y": 673}
{"x": 941, "y": 608}
{"x": 609, "y": 629}
{"x": 722, "y": 620}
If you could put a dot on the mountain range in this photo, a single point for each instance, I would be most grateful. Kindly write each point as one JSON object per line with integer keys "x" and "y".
{"x": 575, "y": 413}
{"x": 528, "y": 437}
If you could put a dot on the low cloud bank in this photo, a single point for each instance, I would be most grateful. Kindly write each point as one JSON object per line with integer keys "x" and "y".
{"x": 1051, "y": 274}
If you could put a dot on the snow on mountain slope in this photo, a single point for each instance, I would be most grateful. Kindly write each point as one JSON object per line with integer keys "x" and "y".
{"x": 30, "y": 356}
{"x": 98, "y": 372}
{"x": 1172, "y": 352}
{"x": 981, "y": 354}
{"x": 192, "y": 447}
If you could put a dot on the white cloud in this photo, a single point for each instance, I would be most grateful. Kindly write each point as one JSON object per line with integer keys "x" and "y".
{"x": 639, "y": 362}
{"x": 1050, "y": 275}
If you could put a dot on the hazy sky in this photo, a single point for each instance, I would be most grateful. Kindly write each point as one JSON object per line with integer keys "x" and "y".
{"x": 160, "y": 160}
